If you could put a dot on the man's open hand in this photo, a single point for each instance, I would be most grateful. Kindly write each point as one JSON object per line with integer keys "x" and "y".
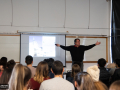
{"x": 97, "y": 43}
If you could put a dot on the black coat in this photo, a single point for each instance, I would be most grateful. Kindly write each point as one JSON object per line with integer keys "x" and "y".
{"x": 116, "y": 75}
{"x": 104, "y": 76}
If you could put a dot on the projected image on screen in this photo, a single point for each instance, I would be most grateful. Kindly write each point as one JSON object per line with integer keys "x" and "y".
{"x": 42, "y": 46}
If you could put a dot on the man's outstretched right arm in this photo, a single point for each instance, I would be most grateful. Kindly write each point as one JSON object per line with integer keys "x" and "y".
{"x": 63, "y": 47}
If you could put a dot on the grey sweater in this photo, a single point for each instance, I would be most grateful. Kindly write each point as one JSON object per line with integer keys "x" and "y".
{"x": 56, "y": 83}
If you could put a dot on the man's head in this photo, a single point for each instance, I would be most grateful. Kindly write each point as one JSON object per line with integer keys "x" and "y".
{"x": 77, "y": 41}
{"x": 57, "y": 68}
{"x": 117, "y": 62}
{"x": 29, "y": 59}
{"x": 101, "y": 62}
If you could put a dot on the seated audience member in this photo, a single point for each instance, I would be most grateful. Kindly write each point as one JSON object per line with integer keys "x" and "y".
{"x": 104, "y": 74}
{"x": 2, "y": 67}
{"x": 111, "y": 67}
{"x": 19, "y": 78}
{"x": 116, "y": 75}
{"x": 4, "y": 60}
{"x": 5, "y": 76}
{"x": 115, "y": 85}
{"x": 41, "y": 75}
{"x": 50, "y": 62}
{"x": 83, "y": 81}
{"x": 11, "y": 64}
{"x": 57, "y": 83}
{"x": 29, "y": 62}
{"x": 94, "y": 73}
{"x": 75, "y": 70}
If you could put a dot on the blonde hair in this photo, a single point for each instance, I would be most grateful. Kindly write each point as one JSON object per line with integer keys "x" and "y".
{"x": 100, "y": 86}
{"x": 115, "y": 85}
{"x": 84, "y": 81}
{"x": 19, "y": 77}
{"x": 41, "y": 72}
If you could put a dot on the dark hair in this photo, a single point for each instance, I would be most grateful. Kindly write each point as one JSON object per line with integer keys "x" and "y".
{"x": 5, "y": 76}
{"x": 2, "y": 64}
{"x": 29, "y": 59}
{"x": 76, "y": 40}
{"x": 4, "y": 59}
{"x": 50, "y": 62}
{"x": 75, "y": 69}
{"x": 11, "y": 64}
{"x": 101, "y": 62}
{"x": 117, "y": 62}
{"x": 57, "y": 67}
{"x": 84, "y": 81}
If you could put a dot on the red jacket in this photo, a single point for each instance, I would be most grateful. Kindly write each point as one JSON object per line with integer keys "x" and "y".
{"x": 34, "y": 84}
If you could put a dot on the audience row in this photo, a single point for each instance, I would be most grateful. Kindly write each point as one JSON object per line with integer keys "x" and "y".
{"x": 48, "y": 75}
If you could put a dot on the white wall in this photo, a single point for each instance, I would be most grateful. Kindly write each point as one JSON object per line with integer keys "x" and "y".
{"x": 90, "y": 17}
{"x": 75, "y": 16}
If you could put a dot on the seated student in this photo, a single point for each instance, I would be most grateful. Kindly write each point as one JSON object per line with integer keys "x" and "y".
{"x": 41, "y": 75}
{"x": 5, "y": 76}
{"x": 116, "y": 75}
{"x": 94, "y": 73}
{"x": 50, "y": 62}
{"x": 19, "y": 78}
{"x": 111, "y": 67}
{"x": 57, "y": 83}
{"x": 4, "y": 61}
{"x": 115, "y": 85}
{"x": 104, "y": 74}
{"x": 83, "y": 81}
{"x": 75, "y": 70}
{"x": 2, "y": 67}
{"x": 11, "y": 64}
{"x": 29, "y": 62}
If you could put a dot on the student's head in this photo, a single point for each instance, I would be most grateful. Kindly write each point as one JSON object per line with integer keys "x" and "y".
{"x": 5, "y": 76}
{"x": 29, "y": 59}
{"x": 94, "y": 72}
{"x": 75, "y": 69}
{"x": 83, "y": 81}
{"x": 100, "y": 86}
{"x": 117, "y": 62}
{"x": 115, "y": 85}
{"x": 41, "y": 72}
{"x": 77, "y": 41}
{"x": 11, "y": 64}
{"x": 101, "y": 62}
{"x": 2, "y": 65}
{"x": 3, "y": 62}
{"x": 50, "y": 63}
{"x": 4, "y": 59}
{"x": 57, "y": 67}
{"x": 20, "y": 77}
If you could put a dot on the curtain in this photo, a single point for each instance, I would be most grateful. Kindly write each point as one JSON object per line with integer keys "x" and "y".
{"x": 115, "y": 30}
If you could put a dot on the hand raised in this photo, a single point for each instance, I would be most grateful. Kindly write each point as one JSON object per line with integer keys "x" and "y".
{"x": 97, "y": 43}
{"x": 58, "y": 45}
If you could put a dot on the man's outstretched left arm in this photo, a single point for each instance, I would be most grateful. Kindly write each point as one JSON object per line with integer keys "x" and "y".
{"x": 91, "y": 46}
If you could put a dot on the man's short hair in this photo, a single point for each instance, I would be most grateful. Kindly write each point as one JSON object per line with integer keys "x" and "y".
{"x": 117, "y": 61}
{"x": 101, "y": 62}
{"x": 76, "y": 40}
{"x": 29, "y": 59}
{"x": 57, "y": 67}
